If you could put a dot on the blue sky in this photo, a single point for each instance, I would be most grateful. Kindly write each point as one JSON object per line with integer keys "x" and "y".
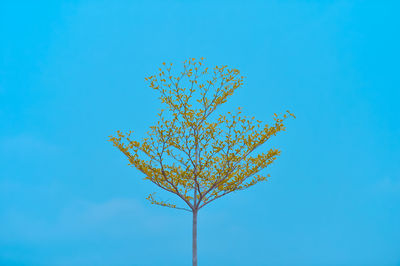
{"x": 72, "y": 73}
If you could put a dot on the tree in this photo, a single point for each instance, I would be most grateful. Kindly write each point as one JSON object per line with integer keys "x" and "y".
{"x": 192, "y": 154}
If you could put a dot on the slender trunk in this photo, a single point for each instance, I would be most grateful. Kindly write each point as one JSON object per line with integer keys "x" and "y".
{"x": 194, "y": 250}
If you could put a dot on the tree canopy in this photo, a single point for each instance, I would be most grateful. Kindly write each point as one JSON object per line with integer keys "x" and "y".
{"x": 191, "y": 151}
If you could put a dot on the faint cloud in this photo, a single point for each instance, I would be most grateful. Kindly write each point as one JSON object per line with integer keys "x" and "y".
{"x": 115, "y": 217}
{"x": 90, "y": 213}
{"x": 388, "y": 184}
{"x": 26, "y": 143}
{"x": 81, "y": 219}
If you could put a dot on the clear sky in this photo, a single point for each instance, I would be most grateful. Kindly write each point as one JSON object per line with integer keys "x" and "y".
{"x": 72, "y": 73}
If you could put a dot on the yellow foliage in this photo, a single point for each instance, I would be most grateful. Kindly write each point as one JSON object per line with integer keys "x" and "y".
{"x": 189, "y": 154}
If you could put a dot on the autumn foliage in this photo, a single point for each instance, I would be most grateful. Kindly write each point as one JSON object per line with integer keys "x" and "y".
{"x": 192, "y": 152}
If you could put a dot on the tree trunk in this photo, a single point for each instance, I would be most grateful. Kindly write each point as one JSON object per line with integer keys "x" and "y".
{"x": 194, "y": 250}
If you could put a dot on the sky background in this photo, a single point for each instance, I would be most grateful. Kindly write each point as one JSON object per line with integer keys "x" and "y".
{"x": 72, "y": 73}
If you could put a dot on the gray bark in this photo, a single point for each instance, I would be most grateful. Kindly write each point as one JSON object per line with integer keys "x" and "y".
{"x": 194, "y": 246}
